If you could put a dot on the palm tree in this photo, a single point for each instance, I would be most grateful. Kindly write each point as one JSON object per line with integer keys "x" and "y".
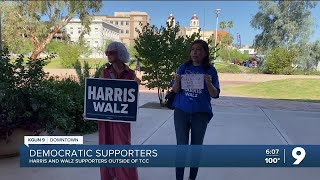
{"x": 223, "y": 25}
{"x": 230, "y": 25}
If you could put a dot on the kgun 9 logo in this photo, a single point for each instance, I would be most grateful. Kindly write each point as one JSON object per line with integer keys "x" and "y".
{"x": 299, "y": 154}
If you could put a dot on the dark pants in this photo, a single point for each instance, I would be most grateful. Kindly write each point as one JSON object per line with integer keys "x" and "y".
{"x": 183, "y": 122}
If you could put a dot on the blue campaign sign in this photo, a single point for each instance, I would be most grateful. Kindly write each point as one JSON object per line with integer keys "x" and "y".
{"x": 111, "y": 100}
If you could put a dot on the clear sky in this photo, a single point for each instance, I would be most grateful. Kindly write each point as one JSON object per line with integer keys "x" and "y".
{"x": 240, "y": 12}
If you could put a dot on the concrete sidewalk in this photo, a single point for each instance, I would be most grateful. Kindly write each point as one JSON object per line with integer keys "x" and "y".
{"x": 230, "y": 125}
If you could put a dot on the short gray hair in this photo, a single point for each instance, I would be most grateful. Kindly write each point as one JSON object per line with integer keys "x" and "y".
{"x": 121, "y": 50}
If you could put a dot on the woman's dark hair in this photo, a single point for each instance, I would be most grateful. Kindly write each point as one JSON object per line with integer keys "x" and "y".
{"x": 206, "y": 60}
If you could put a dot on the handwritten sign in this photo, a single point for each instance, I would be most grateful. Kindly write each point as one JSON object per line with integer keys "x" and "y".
{"x": 192, "y": 81}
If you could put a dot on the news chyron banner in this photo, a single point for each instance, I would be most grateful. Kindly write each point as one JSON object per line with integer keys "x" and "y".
{"x": 111, "y": 100}
{"x": 168, "y": 155}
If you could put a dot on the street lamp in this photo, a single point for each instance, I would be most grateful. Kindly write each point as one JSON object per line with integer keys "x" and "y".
{"x": 0, "y": 32}
{"x": 215, "y": 42}
{"x": 95, "y": 47}
{"x": 98, "y": 47}
{"x": 103, "y": 36}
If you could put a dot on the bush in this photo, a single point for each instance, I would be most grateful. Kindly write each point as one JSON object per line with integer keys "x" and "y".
{"x": 279, "y": 61}
{"x": 229, "y": 55}
{"x": 71, "y": 103}
{"x": 75, "y": 90}
{"x": 255, "y": 70}
{"x": 228, "y": 68}
{"x": 25, "y": 101}
{"x": 32, "y": 101}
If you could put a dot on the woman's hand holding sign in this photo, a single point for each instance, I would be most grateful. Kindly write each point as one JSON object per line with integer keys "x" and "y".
{"x": 176, "y": 85}
{"x": 208, "y": 78}
{"x": 212, "y": 90}
{"x": 177, "y": 78}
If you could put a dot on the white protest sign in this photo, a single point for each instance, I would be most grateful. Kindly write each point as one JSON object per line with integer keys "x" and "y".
{"x": 192, "y": 81}
{"x": 53, "y": 140}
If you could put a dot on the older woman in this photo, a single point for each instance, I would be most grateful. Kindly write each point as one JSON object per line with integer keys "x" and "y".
{"x": 117, "y": 133}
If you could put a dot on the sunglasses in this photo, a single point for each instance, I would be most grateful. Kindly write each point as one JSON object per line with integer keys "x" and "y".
{"x": 110, "y": 53}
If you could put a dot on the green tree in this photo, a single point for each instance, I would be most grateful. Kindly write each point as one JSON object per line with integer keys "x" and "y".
{"x": 213, "y": 48}
{"x": 227, "y": 40}
{"x": 309, "y": 55}
{"x": 280, "y": 61}
{"x": 283, "y": 23}
{"x": 70, "y": 57}
{"x": 223, "y": 26}
{"x": 229, "y": 55}
{"x": 230, "y": 25}
{"x": 161, "y": 51}
{"x": 104, "y": 47}
{"x": 54, "y": 47}
{"x": 23, "y": 47}
{"x": 24, "y": 19}
{"x": 133, "y": 53}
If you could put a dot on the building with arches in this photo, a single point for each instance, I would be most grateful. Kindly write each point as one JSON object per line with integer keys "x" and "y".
{"x": 171, "y": 21}
{"x": 194, "y": 27}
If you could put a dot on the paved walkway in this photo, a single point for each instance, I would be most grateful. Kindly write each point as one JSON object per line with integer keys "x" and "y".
{"x": 236, "y": 121}
{"x": 248, "y": 102}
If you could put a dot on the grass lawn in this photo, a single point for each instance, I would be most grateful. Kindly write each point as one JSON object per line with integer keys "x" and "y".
{"x": 290, "y": 89}
{"x": 55, "y": 63}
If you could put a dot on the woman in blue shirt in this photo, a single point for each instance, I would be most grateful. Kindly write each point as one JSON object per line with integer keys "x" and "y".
{"x": 193, "y": 109}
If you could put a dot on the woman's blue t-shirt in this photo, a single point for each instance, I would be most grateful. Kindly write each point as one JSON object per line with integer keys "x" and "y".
{"x": 196, "y": 100}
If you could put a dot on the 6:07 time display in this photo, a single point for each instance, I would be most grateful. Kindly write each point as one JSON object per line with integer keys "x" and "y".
{"x": 272, "y": 151}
